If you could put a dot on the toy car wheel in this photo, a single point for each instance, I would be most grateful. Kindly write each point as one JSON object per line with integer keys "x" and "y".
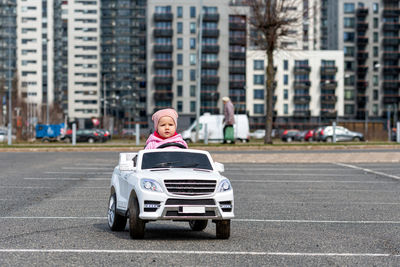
{"x": 116, "y": 222}
{"x": 198, "y": 225}
{"x": 136, "y": 225}
{"x": 223, "y": 229}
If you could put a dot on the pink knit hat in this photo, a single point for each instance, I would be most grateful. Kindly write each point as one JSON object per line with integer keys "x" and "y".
{"x": 168, "y": 112}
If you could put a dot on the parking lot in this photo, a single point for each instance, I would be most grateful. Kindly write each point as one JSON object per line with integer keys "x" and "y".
{"x": 53, "y": 210}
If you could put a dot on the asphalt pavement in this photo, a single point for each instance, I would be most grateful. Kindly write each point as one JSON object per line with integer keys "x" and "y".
{"x": 53, "y": 209}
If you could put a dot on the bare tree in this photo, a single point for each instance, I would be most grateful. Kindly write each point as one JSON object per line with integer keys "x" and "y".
{"x": 272, "y": 22}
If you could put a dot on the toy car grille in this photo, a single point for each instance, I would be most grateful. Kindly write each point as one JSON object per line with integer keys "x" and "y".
{"x": 190, "y": 187}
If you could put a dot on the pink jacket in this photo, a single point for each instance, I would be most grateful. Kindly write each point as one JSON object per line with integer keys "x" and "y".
{"x": 154, "y": 141}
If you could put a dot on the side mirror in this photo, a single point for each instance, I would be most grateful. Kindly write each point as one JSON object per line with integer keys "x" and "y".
{"x": 127, "y": 161}
{"x": 219, "y": 167}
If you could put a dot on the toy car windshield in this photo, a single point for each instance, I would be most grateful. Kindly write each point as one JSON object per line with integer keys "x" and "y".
{"x": 171, "y": 159}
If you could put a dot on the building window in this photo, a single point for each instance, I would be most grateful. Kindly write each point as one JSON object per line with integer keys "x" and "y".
{"x": 193, "y": 75}
{"x": 376, "y": 23}
{"x": 285, "y": 79}
{"x": 349, "y": 81}
{"x": 179, "y": 106}
{"x": 179, "y": 27}
{"x": 193, "y": 90}
{"x": 192, "y": 106}
{"x": 376, "y": 51}
{"x": 375, "y": 80}
{"x": 285, "y": 109}
{"x": 375, "y": 109}
{"x": 349, "y": 51}
{"x": 258, "y": 108}
{"x": 348, "y": 109}
{"x": 349, "y": 65}
{"x": 179, "y": 11}
{"x": 179, "y": 43}
{"x": 179, "y": 74}
{"x": 179, "y": 90}
{"x": 285, "y": 94}
{"x": 348, "y": 36}
{"x": 375, "y": 8}
{"x": 192, "y": 27}
{"x": 258, "y": 64}
{"x": 258, "y": 79}
{"x": 376, "y": 37}
{"x": 285, "y": 64}
{"x": 192, "y": 59}
{"x": 376, "y": 95}
{"x": 179, "y": 59}
{"x": 348, "y": 8}
{"x": 192, "y": 43}
{"x": 192, "y": 11}
{"x": 348, "y": 94}
{"x": 348, "y": 22}
{"x": 258, "y": 94}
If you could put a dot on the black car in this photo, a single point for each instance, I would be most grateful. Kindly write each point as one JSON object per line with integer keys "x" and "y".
{"x": 85, "y": 135}
{"x": 289, "y": 135}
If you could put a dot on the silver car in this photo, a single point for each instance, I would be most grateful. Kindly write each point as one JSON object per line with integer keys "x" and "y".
{"x": 342, "y": 134}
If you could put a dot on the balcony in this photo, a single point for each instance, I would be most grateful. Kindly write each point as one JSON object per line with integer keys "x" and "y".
{"x": 163, "y": 32}
{"x": 163, "y": 64}
{"x": 205, "y": 79}
{"x": 362, "y": 55}
{"x": 362, "y": 12}
{"x": 391, "y": 26}
{"x": 163, "y": 79}
{"x": 237, "y": 40}
{"x": 362, "y": 26}
{"x": 391, "y": 40}
{"x": 210, "y": 49}
{"x": 328, "y": 113}
{"x": 163, "y": 48}
{"x": 391, "y": 55}
{"x": 302, "y": 69}
{"x": 362, "y": 98}
{"x": 212, "y": 110}
{"x": 237, "y": 55}
{"x": 237, "y": 26}
{"x": 391, "y": 99}
{"x": 237, "y": 84}
{"x": 391, "y": 11}
{"x": 362, "y": 85}
{"x": 237, "y": 69}
{"x": 328, "y": 99}
{"x": 211, "y": 17}
{"x": 362, "y": 70}
{"x": 363, "y": 40}
{"x": 390, "y": 84}
{"x": 210, "y": 32}
{"x": 301, "y": 99}
{"x": 163, "y": 16}
{"x": 328, "y": 84}
{"x": 328, "y": 70}
{"x": 301, "y": 113}
{"x": 209, "y": 96}
{"x": 210, "y": 64}
{"x": 302, "y": 84}
{"x": 163, "y": 95}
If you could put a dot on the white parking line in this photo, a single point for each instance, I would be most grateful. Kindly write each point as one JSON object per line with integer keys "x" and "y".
{"x": 368, "y": 170}
{"x": 311, "y": 181}
{"x": 110, "y": 172}
{"x": 198, "y": 252}
{"x": 294, "y": 174}
{"x": 68, "y": 178}
{"x": 234, "y": 220}
{"x": 84, "y": 168}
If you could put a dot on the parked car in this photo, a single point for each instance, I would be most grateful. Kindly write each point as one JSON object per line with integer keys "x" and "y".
{"x": 258, "y": 134}
{"x": 309, "y": 136}
{"x": 84, "y": 135}
{"x": 342, "y": 134}
{"x": 289, "y": 135}
{"x": 3, "y": 136}
{"x": 316, "y": 135}
{"x": 300, "y": 136}
{"x": 394, "y": 135}
{"x": 104, "y": 134}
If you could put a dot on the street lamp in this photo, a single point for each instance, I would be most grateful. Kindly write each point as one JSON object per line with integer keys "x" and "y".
{"x": 9, "y": 74}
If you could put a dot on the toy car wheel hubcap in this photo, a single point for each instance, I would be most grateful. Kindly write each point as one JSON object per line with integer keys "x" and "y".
{"x": 111, "y": 211}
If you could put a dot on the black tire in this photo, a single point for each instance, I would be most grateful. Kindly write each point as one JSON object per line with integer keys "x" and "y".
{"x": 45, "y": 140}
{"x": 67, "y": 140}
{"x": 223, "y": 229}
{"x": 356, "y": 139}
{"x": 329, "y": 139}
{"x": 198, "y": 225}
{"x": 136, "y": 225}
{"x": 91, "y": 140}
{"x": 310, "y": 139}
{"x": 116, "y": 222}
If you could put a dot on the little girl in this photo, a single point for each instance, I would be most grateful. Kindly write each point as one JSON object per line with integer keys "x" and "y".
{"x": 165, "y": 123}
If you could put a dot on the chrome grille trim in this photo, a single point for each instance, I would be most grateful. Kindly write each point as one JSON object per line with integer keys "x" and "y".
{"x": 190, "y": 187}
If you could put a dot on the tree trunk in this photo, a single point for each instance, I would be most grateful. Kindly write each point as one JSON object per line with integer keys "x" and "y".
{"x": 270, "y": 97}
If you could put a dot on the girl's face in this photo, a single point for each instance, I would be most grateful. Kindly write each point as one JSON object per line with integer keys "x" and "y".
{"x": 166, "y": 127}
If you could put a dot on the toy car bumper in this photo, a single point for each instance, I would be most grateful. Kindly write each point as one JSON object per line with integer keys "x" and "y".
{"x": 158, "y": 206}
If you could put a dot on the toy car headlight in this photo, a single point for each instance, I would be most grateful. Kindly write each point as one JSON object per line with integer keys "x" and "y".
{"x": 151, "y": 185}
{"x": 224, "y": 186}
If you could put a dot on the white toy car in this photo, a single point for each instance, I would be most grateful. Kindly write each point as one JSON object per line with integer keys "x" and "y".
{"x": 169, "y": 184}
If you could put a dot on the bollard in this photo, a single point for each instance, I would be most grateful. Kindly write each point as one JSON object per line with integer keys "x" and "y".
{"x": 334, "y": 132}
{"x": 74, "y": 134}
{"x": 137, "y": 133}
{"x": 206, "y": 134}
{"x": 398, "y": 132}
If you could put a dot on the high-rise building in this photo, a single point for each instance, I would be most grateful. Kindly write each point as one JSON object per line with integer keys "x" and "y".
{"x": 8, "y": 38}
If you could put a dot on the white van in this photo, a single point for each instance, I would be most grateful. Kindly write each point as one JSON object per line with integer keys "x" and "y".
{"x": 215, "y": 128}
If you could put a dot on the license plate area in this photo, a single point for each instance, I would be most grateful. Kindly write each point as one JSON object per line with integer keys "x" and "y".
{"x": 199, "y": 210}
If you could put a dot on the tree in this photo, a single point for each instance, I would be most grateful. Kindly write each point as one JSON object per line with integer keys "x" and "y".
{"x": 273, "y": 21}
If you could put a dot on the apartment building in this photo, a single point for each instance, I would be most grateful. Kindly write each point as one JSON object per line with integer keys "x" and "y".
{"x": 35, "y": 56}
{"x": 8, "y": 38}
{"x": 308, "y": 88}
{"x": 123, "y": 61}
{"x": 368, "y": 33}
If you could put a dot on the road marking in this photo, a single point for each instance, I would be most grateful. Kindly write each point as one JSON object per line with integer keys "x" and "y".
{"x": 311, "y": 181}
{"x": 286, "y": 169}
{"x": 69, "y": 178}
{"x": 368, "y": 170}
{"x": 84, "y": 168}
{"x": 294, "y": 174}
{"x": 235, "y": 220}
{"x": 110, "y": 172}
{"x": 199, "y": 252}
